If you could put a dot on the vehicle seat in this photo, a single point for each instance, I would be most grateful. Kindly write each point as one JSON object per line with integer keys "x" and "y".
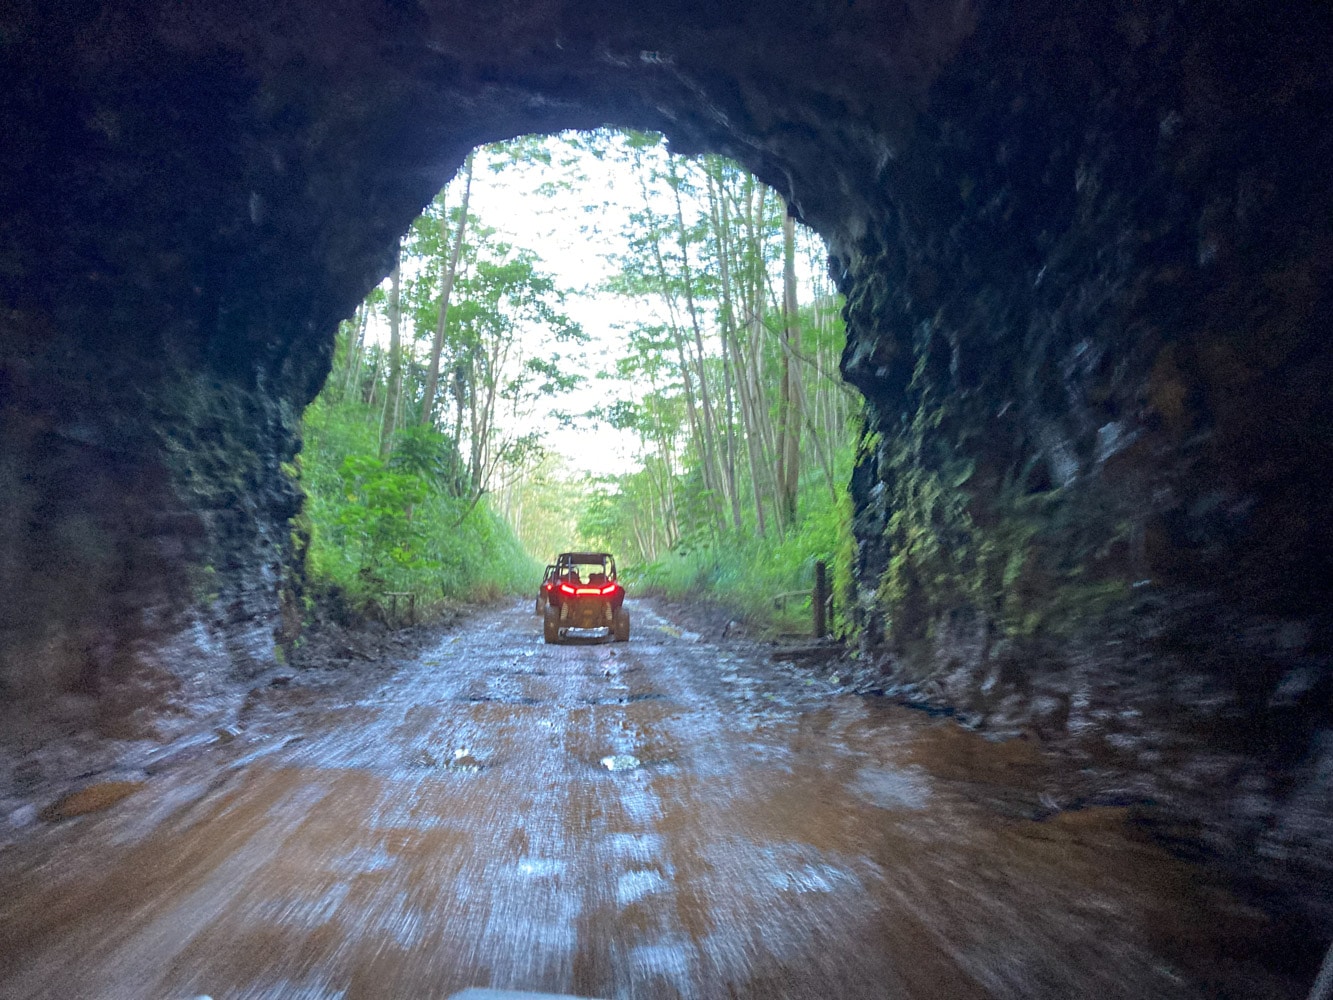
{"x": 596, "y": 579}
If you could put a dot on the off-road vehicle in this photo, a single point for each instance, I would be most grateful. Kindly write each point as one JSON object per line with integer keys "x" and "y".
{"x": 585, "y": 596}
{"x": 544, "y": 591}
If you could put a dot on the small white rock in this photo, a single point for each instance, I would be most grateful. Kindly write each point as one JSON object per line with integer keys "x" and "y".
{"x": 620, "y": 762}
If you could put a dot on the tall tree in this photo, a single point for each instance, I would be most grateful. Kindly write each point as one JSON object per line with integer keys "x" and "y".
{"x": 712, "y": 476}
{"x": 790, "y": 416}
{"x": 356, "y": 336}
{"x": 393, "y": 398}
{"x": 734, "y": 354}
{"x": 665, "y": 289}
{"x": 446, "y": 289}
{"x": 717, "y": 216}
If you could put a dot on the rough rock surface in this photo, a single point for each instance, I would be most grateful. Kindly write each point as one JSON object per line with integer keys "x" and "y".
{"x": 1086, "y": 253}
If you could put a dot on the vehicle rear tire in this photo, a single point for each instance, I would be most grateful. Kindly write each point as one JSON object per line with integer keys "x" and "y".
{"x": 620, "y": 625}
{"x": 538, "y": 609}
{"x": 551, "y": 625}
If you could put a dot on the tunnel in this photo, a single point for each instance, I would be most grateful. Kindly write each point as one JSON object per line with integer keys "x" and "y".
{"x": 1085, "y": 252}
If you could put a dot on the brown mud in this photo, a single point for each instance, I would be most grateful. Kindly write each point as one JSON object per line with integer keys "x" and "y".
{"x": 679, "y": 816}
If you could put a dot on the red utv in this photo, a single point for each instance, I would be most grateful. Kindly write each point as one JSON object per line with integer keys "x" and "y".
{"x": 544, "y": 591}
{"x": 584, "y": 595}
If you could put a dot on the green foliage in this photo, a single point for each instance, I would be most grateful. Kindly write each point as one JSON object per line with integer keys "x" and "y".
{"x": 380, "y": 525}
{"x": 376, "y": 522}
{"x": 546, "y": 505}
{"x": 747, "y": 573}
{"x": 409, "y": 520}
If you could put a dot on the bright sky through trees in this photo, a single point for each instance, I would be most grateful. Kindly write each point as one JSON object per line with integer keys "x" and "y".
{"x": 569, "y": 199}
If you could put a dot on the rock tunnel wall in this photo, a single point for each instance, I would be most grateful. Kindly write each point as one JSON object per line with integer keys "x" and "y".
{"x": 1085, "y": 253}
{"x": 1093, "y": 330}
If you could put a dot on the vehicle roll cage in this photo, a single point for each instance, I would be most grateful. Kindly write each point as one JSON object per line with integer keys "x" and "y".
{"x": 566, "y": 560}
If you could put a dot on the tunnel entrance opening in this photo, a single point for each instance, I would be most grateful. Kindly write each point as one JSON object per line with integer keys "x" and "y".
{"x": 638, "y": 352}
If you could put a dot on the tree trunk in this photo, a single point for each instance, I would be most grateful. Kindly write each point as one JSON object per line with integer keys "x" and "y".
{"x": 687, "y": 381}
{"x": 709, "y": 456}
{"x": 446, "y": 289}
{"x": 355, "y": 338}
{"x": 755, "y": 368}
{"x": 391, "y": 401}
{"x": 462, "y": 381}
{"x": 789, "y": 462}
{"x": 717, "y": 212}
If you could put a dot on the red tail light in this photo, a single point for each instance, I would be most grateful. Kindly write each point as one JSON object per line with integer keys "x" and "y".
{"x": 610, "y": 588}
{"x": 566, "y": 588}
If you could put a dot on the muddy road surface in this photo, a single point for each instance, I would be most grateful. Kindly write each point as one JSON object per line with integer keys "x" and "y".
{"x": 672, "y": 817}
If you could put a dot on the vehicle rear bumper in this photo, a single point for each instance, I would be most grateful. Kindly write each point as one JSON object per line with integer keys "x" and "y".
{"x": 585, "y": 614}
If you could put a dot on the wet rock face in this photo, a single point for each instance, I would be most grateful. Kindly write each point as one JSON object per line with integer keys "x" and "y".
{"x": 1093, "y": 501}
{"x": 1086, "y": 259}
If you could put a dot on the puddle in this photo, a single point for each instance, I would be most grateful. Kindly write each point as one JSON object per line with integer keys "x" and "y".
{"x": 540, "y": 867}
{"x": 890, "y": 789}
{"x": 811, "y": 878}
{"x": 640, "y": 847}
{"x": 361, "y": 860}
{"x": 633, "y": 886}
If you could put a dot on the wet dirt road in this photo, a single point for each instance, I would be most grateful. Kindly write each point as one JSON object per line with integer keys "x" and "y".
{"x": 668, "y": 818}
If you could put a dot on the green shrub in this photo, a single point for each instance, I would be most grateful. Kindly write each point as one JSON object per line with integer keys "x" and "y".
{"x": 395, "y": 525}
{"x": 746, "y": 573}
